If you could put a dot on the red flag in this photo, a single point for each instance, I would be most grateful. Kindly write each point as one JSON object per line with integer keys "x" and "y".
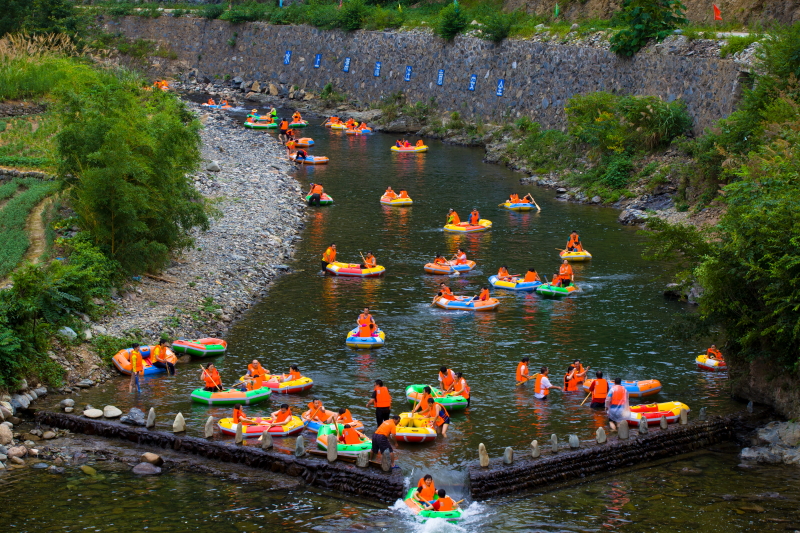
{"x": 717, "y": 12}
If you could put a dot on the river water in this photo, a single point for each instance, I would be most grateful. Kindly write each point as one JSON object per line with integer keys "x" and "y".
{"x": 616, "y": 324}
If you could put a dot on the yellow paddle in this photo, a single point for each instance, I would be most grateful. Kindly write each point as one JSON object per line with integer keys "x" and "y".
{"x": 521, "y": 382}
{"x": 587, "y": 397}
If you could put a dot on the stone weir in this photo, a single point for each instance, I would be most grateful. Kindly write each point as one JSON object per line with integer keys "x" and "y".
{"x": 506, "y": 476}
{"x": 339, "y": 477}
{"x": 479, "y": 79}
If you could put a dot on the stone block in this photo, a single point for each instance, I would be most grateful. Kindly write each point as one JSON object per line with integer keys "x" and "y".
{"x": 623, "y": 431}
{"x": 535, "y": 451}
{"x": 508, "y": 456}
{"x": 179, "y": 425}
{"x": 152, "y": 458}
{"x": 600, "y": 436}
{"x": 483, "y": 455}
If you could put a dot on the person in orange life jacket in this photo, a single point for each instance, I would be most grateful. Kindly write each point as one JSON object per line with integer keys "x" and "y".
{"x": 329, "y": 256}
{"x": 390, "y": 193}
{"x": 160, "y": 355}
{"x": 565, "y": 276}
{"x": 714, "y": 353}
{"x": 438, "y": 415}
{"x": 502, "y": 273}
{"x": 290, "y": 145}
{"x": 137, "y": 367}
{"x": 447, "y": 379}
{"x": 443, "y": 504}
{"x": 367, "y": 330}
{"x": 422, "y": 399}
{"x": 617, "y": 403}
{"x": 398, "y": 143}
{"x": 542, "y": 384}
{"x": 406, "y": 144}
{"x": 452, "y": 217}
{"x": 474, "y": 216}
{"x": 380, "y": 439}
{"x": 293, "y": 375}
{"x": 366, "y": 317}
{"x": 439, "y": 260}
{"x": 599, "y": 390}
{"x": 570, "y": 379}
{"x": 316, "y": 412}
{"x": 523, "y": 371}
{"x": 255, "y": 370}
{"x": 211, "y": 102}
{"x": 461, "y": 388}
{"x": 529, "y": 198}
{"x": 580, "y": 371}
{"x": 315, "y": 193}
{"x": 301, "y": 155}
{"x": 239, "y": 417}
{"x": 283, "y": 126}
{"x": 369, "y": 261}
{"x": 350, "y": 435}
{"x": 484, "y": 295}
{"x": 211, "y": 378}
{"x": 290, "y": 134}
{"x": 531, "y": 275}
{"x": 344, "y": 416}
{"x": 280, "y": 417}
{"x": 426, "y": 490}
{"x": 420, "y": 143}
{"x": 382, "y": 401}
{"x": 461, "y": 257}
{"x": 403, "y": 193}
{"x": 296, "y": 117}
{"x": 573, "y": 242}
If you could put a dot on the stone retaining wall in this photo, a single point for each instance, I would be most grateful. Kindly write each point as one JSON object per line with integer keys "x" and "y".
{"x": 538, "y": 77}
{"x": 499, "y": 479}
{"x": 340, "y": 477}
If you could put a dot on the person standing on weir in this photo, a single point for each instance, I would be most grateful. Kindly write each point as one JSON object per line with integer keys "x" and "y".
{"x": 382, "y": 401}
{"x": 617, "y": 404}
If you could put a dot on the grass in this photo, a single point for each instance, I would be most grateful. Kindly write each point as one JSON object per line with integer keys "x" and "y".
{"x": 30, "y": 142}
{"x": 13, "y": 216}
{"x": 738, "y": 44}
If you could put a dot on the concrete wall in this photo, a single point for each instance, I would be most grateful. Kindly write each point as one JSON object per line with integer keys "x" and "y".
{"x": 539, "y": 77}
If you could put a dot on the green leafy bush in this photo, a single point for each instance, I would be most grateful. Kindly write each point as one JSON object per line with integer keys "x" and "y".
{"x": 544, "y": 150}
{"x": 380, "y": 19}
{"x": 736, "y": 44}
{"x": 212, "y": 11}
{"x": 617, "y": 171}
{"x": 451, "y": 21}
{"x": 654, "y": 122}
{"x": 646, "y": 20}
{"x": 352, "y": 15}
{"x": 496, "y": 27}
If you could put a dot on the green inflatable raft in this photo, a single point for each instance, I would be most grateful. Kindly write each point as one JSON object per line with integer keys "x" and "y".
{"x": 556, "y": 292}
{"x": 413, "y": 392}
{"x": 260, "y": 125}
{"x": 344, "y": 449}
{"x": 419, "y": 509}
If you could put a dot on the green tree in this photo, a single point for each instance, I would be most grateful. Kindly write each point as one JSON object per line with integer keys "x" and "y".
{"x": 646, "y": 20}
{"x": 451, "y": 22}
{"x": 125, "y": 155}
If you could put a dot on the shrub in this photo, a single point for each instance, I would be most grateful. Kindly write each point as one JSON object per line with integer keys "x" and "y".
{"x": 212, "y": 11}
{"x": 544, "y": 150}
{"x": 496, "y": 27}
{"x": 352, "y": 15}
{"x": 736, "y": 44}
{"x": 380, "y": 19}
{"x": 450, "y": 22}
{"x": 653, "y": 121}
{"x": 646, "y": 20}
{"x": 617, "y": 171}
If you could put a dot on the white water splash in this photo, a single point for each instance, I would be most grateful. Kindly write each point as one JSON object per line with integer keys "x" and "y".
{"x": 473, "y": 515}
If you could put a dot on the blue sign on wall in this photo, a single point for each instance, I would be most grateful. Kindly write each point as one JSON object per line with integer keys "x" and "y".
{"x": 287, "y": 57}
{"x": 317, "y": 60}
{"x": 377, "y": 71}
{"x": 408, "y": 73}
{"x": 501, "y": 87}
{"x": 440, "y": 77}
{"x": 346, "y": 66}
{"x": 473, "y": 81}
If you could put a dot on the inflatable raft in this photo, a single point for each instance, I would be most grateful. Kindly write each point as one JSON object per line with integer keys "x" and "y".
{"x": 260, "y": 125}
{"x": 323, "y": 200}
{"x": 301, "y": 124}
{"x": 350, "y": 450}
{"x": 366, "y": 131}
{"x": 231, "y": 396}
{"x": 419, "y": 509}
{"x": 354, "y": 341}
{"x": 463, "y": 303}
{"x": 354, "y": 270}
{"x": 520, "y": 206}
{"x": 414, "y": 392}
{"x": 313, "y": 425}
{"x": 339, "y": 126}
{"x": 304, "y": 142}
{"x": 706, "y": 363}
{"x": 410, "y": 149}
{"x": 216, "y": 106}
{"x": 122, "y": 360}
{"x": 514, "y": 284}
{"x": 574, "y": 257}
{"x": 292, "y": 427}
{"x": 652, "y": 412}
{"x": 636, "y": 389}
{"x": 546, "y": 289}
{"x": 290, "y": 387}
{"x": 200, "y": 347}
{"x": 415, "y": 428}
{"x": 449, "y": 267}
{"x": 385, "y": 200}
{"x": 466, "y": 227}
{"x": 310, "y": 160}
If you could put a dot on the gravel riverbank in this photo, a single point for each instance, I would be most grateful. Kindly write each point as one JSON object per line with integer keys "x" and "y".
{"x": 245, "y": 176}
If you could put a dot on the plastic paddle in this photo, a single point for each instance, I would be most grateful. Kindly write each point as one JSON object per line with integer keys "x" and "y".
{"x": 521, "y": 382}
{"x": 219, "y": 387}
{"x": 587, "y": 397}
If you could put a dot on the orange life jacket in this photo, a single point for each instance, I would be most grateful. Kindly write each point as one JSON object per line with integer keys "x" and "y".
{"x": 446, "y": 290}
{"x": 618, "y": 395}
{"x": 599, "y": 390}
{"x": 571, "y": 380}
{"x": 295, "y": 375}
{"x": 137, "y": 365}
{"x": 351, "y": 436}
{"x": 316, "y": 189}
{"x": 440, "y": 261}
{"x": 370, "y": 261}
{"x": 365, "y": 318}
{"x": 484, "y": 295}
{"x": 161, "y": 353}
{"x": 537, "y": 385}
{"x": 296, "y": 117}
{"x": 364, "y": 331}
{"x": 257, "y": 383}
{"x": 329, "y": 256}
{"x": 255, "y": 370}
{"x": 423, "y": 401}
{"x": 237, "y": 414}
{"x": 382, "y": 397}
{"x": 403, "y": 194}
{"x": 520, "y": 375}
{"x": 461, "y": 259}
{"x": 428, "y": 493}
{"x": 502, "y": 272}
{"x": 314, "y": 411}
{"x": 284, "y": 125}
{"x": 474, "y": 217}
{"x": 387, "y": 428}
{"x": 531, "y": 276}
{"x": 441, "y": 412}
{"x": 565, "y": 271}
{"x": 282, "y": 418}
{"x": 420, "y": 143}
{"x": 345, "y": 418}
{"x": 446, "y": 504}
{"x": 453, "y": 218}
{"x": 390, "y": 193}
{"x": 462, "y": 389}
{"x": 211, "y": 101}
{"x": 447, "y": 380}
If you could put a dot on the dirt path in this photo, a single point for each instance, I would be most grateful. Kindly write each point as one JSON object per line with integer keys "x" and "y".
{"x": 35, "y": 228}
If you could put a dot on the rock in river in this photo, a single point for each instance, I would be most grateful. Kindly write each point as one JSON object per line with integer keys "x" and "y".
{"x": 109, "y": 411}
{"x": 146, "y": 469}
{"x": 93, "y": 413}
{"x": 135, "y": 417}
